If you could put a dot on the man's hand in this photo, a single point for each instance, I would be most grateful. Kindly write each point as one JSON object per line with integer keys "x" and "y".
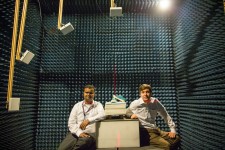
{"x": 134, "y": 116}
{"x": 82, "y": 135}
{"x": 171, "y": 135}
{"x": 84, "y": 124}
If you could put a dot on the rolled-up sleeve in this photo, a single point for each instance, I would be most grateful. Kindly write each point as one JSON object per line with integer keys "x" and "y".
{"x": 100, "y": 113}
{"x": 166, "y": 117}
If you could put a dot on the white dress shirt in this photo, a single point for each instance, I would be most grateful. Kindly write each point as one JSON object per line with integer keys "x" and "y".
{"x": 147, "y": 113}
{"x": 81, "y": 111}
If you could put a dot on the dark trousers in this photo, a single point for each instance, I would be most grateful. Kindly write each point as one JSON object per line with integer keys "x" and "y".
{"x": 72, "y": 142}
{"x": 158, "y": 138}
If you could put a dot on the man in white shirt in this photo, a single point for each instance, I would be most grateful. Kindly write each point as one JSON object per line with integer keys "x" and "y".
{"x": 82, "y": 122}
{"x": 146, "y": 109}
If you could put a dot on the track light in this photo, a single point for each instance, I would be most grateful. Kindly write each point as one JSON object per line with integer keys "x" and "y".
{"x": 66, "y": 28}
{"x": 165, "y": 4}
{"x": 115, "y": 11}
{"x": 14, "y": 104}
{"x": 27, "y": 57}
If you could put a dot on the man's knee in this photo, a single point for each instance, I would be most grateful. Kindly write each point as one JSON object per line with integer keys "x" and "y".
{"x": 173, "y": 143}
{"x": 86, "y": 143}
{"x": 176, "y": 143}
{"x": 89, "y": 140}
{"x": 166, "y": 145}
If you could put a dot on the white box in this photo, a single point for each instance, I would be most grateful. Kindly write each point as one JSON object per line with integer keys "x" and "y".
{"x": 14, "y": 104}
{"x": 27, "y": 57}
{"x": 117, "y": 133}
{"x": 66, "y": 28}
{"x": 115, "y": 111}
{"x": 115, "y": 11}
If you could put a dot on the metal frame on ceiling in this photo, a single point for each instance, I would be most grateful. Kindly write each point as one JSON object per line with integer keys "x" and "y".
{"x": 97, "y": 6}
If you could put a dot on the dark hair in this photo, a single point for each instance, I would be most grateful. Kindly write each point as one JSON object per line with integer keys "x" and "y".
{"x": 89, "y": 86}
{"x": 145, "y": 86}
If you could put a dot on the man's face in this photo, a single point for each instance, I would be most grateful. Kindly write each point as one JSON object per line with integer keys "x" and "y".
{"x": 145, "y": 94}
{"x": 89, "y": 94}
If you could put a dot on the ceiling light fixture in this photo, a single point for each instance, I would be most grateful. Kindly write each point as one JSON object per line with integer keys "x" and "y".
{"x": 115, "y": 11}
{"x": 165, "y": 4}
{"x": 67, "y": 28}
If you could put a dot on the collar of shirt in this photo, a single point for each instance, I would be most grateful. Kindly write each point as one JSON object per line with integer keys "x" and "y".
{"x": 94, "y": 104}
{"x": 90, "y": 103}
{"x": 151, "y": 100}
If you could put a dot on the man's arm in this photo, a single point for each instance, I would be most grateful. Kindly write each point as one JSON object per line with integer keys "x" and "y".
{"x": 130, "y": 114}
{"x": 82, "y": 135}
{"x": 163, "y": 112}
{"x": 84, "y": 124}
{"x": 100, "y": 114}
{"x": 72, "y": 122}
